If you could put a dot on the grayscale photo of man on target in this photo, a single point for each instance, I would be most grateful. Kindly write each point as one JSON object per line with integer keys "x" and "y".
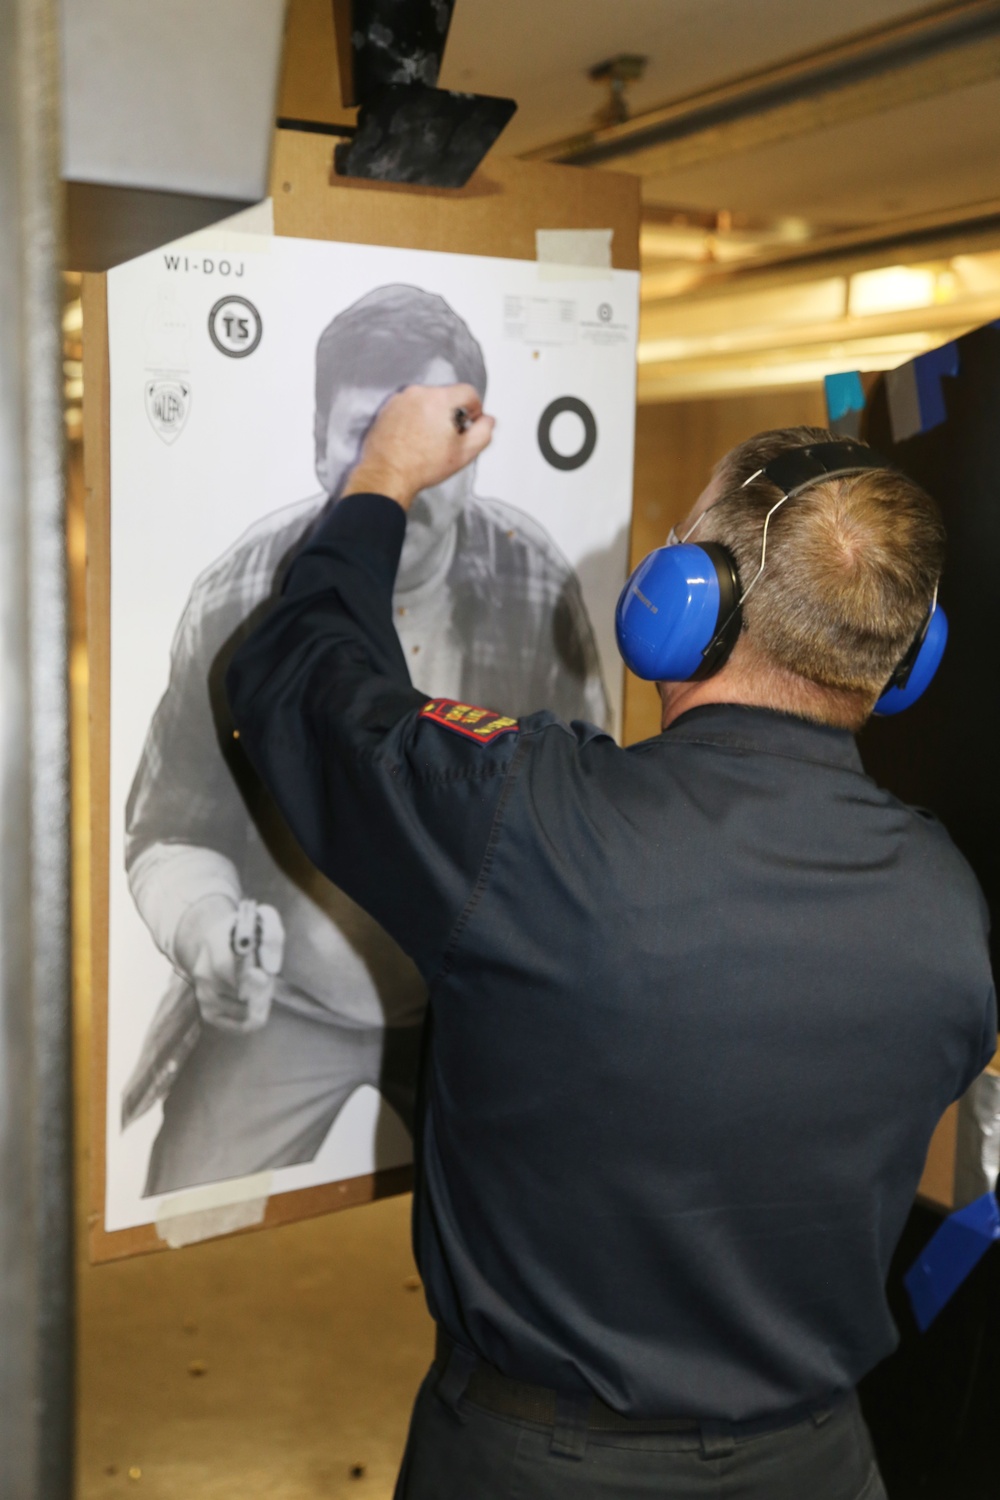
{"x": 260, "y": 1024}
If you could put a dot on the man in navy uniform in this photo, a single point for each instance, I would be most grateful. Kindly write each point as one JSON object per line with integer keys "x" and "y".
{"x": 696, "y": 1006}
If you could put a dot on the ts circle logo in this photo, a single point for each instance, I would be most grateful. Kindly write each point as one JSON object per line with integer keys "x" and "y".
{"x": 235, "y": 327}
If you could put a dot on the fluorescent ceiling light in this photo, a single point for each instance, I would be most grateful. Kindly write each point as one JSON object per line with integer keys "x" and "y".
{"x": 890, "y": 289}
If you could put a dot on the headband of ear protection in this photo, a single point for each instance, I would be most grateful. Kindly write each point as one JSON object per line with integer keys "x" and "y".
{"x": 680, "y": 613}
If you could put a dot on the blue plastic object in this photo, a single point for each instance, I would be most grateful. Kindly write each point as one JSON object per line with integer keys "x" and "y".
{"x": 668, "y": 613}
{"x": 895, "y": 699}
{"x": 844, "y": 394}
{"x": 950, "y": 1256}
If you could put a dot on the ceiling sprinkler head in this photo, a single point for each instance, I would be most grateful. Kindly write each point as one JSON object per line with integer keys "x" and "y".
{"x": 618, "y": 72}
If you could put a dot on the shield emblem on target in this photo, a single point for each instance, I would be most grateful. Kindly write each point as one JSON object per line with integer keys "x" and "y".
{"x": 168, "y": 403}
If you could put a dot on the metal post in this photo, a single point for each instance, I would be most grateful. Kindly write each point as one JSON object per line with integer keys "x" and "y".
{"x": 35, "y": 1099}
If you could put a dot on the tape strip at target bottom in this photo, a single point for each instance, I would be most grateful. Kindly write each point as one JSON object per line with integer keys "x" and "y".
{"x": 579, "y": 409}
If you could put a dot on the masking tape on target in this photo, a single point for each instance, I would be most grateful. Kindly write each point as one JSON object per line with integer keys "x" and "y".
{"x": 204, "y": 1213}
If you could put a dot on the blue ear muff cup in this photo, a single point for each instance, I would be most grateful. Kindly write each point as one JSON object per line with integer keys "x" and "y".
{"x": 928, "y": 659}
{"x": 678, "y": 615}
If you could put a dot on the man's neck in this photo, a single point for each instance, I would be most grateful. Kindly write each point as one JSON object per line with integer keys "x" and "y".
{"x": 680, "y": 697}
{"x": 782, "y": 692}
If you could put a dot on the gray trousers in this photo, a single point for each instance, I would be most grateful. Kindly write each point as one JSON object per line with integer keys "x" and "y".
{"x": 245, "y": 1104}
{"x": 466, "y": 1453}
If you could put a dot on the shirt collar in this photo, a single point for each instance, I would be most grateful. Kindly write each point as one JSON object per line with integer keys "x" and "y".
{"x": 765, "y": 730}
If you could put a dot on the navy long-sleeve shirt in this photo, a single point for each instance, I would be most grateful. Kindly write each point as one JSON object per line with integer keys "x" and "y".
{"x": 696, "y": 1006}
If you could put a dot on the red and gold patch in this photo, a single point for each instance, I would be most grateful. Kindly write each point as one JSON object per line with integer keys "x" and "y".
{"x": 480, "y": 724}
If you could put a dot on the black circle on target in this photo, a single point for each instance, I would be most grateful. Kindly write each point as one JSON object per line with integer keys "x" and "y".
{"x": 579, "y": 409}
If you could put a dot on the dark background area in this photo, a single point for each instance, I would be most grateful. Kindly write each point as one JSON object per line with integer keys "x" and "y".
{"x": 934, "y": 1406}
{"x": 942, "y": 753}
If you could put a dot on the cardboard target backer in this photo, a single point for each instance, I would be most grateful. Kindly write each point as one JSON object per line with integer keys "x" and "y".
{"x": 244, "y": 371}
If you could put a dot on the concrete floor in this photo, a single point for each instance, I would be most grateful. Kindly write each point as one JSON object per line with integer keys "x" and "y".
{"x": 270, "y": 1364}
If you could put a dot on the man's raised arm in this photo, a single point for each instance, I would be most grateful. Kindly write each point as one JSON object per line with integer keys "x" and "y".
{"x": 379, "y": 798}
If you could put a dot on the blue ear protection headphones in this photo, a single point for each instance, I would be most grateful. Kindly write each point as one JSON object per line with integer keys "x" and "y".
{"x": 680, "y": 614}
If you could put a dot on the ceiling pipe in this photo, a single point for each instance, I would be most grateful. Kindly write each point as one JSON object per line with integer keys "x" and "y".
{"x": 942, "y": 49}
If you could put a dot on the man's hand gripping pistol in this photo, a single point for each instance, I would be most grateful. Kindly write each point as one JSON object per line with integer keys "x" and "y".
{"x": 228, "y": 962}
{"x": 232, "y": 960}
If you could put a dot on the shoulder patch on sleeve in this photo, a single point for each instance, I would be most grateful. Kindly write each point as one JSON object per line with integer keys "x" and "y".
{"x": 483, "y": 725}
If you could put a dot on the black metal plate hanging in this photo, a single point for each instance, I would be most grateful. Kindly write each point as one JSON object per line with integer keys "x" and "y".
{"x": 410, "y": 133}
{"x": 408, "y": 129}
